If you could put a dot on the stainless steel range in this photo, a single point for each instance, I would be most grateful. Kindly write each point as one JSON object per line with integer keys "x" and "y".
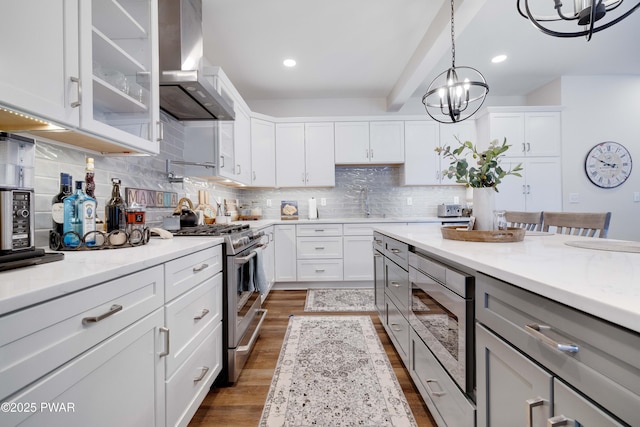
{"x": 243, "y": 314}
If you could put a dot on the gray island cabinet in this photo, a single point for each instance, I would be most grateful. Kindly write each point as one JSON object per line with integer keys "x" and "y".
{"x": 556, "y": 331}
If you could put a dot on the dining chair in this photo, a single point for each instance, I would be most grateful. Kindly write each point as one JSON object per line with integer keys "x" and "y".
{"x": 530, "y": 221}
{"x": 578, "y": 223}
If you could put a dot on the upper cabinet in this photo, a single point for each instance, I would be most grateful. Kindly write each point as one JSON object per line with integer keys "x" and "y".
{"x": 100, "y": 76}
{"x": 530, "y": 132}
{"x": 376, "y": 142}
{"x": 263, "y": 153}
{"x": 304, "y": 155}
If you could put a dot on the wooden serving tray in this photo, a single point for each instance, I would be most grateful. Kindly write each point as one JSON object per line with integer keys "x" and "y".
{"x": 460, "y": 232}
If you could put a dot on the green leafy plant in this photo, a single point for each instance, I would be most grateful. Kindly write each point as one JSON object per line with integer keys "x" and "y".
{"x": 486, "y": 173}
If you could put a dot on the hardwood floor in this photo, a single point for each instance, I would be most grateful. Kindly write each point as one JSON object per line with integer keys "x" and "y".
{"x": 240, "y": 405}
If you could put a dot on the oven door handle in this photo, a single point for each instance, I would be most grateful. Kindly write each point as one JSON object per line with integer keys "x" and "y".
{"x": 247, "y": 348}
{"x": 244, "y": 259}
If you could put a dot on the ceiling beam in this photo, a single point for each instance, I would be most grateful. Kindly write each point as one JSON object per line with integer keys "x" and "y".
{"x": 435, "y": 43}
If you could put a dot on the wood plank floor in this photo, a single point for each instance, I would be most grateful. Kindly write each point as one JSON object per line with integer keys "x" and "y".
{"x": 240, "y": 405}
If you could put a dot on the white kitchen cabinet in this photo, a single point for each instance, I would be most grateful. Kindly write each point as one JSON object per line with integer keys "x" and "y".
{"x": 539, "y": 188}
{"x": 263, "y": 153}
{"x": 423, "y": 166}
{"x": 242, "y": 144}
{"x": 112, "y": 105}
{"x": 319, "y": 252}
{"x": 285, "y": 252}
{"x": 530, "y": 132}
{"x": 358, "y": 262}
{"x": 305, "y": 155}
{"x": 24, "y": 84}
{"x": 269, "y": 253}
{"x": 376, "y": 142}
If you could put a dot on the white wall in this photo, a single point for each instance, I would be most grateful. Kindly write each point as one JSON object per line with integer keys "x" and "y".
{"x": 597, "y": 109}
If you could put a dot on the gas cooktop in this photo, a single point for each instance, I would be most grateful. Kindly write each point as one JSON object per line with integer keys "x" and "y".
{"x": 211, "y": 230}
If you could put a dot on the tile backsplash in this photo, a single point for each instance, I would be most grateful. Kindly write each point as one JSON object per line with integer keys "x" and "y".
{"x": 358, "y": 190}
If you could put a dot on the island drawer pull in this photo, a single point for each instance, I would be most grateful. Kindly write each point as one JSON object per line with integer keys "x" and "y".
{"x": 199, "y": 269}
{"x": 395, "y": 251}
{"x": 535, "y": 330}
{"x": 95, "y": 319}
{"x": 319, "y": 270}
{"x": 434, "y": 393}
{"x": 167, "y": 341}
{"x": 319, "y": 248}
{"x": 532, "y": 403}
{"x": 395, "y": 284}
{"x": 202, "y": 314}
{"x": 205, "y": 369}
{"x": 559, "y": 420}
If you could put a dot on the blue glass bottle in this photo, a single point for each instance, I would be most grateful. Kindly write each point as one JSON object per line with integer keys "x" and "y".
{"x": 79, "y": 217}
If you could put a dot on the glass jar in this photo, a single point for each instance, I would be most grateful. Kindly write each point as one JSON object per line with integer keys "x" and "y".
{"x": 499, "y": 220}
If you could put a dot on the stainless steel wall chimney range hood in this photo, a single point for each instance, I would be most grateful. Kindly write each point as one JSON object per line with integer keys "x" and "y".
{"x": 185, "y": 94}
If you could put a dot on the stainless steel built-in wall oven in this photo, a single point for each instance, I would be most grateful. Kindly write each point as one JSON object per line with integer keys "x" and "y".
{"x": 242, "y": 311}
{"x": 442, "y": 315}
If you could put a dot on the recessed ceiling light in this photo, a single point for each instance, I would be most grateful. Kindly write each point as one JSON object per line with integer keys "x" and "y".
{"x": 498, "y": 59}
{"x": 289, "y": 62}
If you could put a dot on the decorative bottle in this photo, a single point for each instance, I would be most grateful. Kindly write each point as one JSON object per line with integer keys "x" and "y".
{"x": 114, "y": 211}
{"x": 57, "y": 207}
{"x": 79, "y": 217}
{"x": 90, "y": 185}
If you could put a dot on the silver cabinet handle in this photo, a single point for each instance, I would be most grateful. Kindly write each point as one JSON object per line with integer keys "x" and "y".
{"x": 319, "y": 270}
{"x": 377, "y": 254}
{"x": 524, "y": 189}
{"x": 371, "y": 153}
{"x": 560, "y": 420}
{"x": 205, "y": 369}
{"x": 366, "y": 153}
{"x": 254, "y": 175}
{"x": 302, "y": 176}
{"x": 167, "y": 341}
{"x": 199, "y": 269}
{"x": 528, "y": 146}
{"x": 79, "y": 84}
{"x": 319, "y": 248}
{"x": 160, "y": 131}
{"x": 395, "y": 251}
{"x": 395, "y": 329}
{"x": 239, "y": 169}
{"x": 319, "y": 230}
{"x": 532, "y": 403}
{"x": 395, "y": 284}
{"x": 95, "y": 319}
{"x": 528, "y": 189}
{"x": 431, "y": 391}
{"x": 378, "y": 241}
{"x": 202, "y": 314}
{"x": 222, "y": 161}
{"x": 524, "y": 147}
{"x": 535, "y": 330}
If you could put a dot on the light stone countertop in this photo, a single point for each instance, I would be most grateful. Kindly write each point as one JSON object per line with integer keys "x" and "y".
{"x": 262, "y": 223}
{"x": 26, "y": 286}
{"x": 605, "y": 284}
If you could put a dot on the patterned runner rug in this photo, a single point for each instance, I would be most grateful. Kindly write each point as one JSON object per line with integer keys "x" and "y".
{"x": 339, "y": 300}
{"x": 333, "y": 371}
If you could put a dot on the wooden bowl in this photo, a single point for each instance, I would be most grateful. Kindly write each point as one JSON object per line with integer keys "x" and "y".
{"x": 460, "y": 232}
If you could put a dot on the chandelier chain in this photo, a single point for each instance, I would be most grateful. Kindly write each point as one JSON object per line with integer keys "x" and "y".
{"x": 453, "y": 44}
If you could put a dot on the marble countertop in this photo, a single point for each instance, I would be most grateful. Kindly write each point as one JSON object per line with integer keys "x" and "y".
{"x": 26, "y": 286}
{"x": 267, "y": 222}
{"x": 605, "y": 284}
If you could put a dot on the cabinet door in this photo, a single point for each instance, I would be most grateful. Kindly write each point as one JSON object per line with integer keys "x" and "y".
{"x": 290, "y": 164}
{"x": 269, "y": 258}
{"x": 38, "y": 65}
{"x": 542, "y": 179}
{"x": 351, "y": 142}
{"x": 574, "y": 410}
{"x": 119, "y": 382}
{"x": 242, "y": 145}
{"x": 119, "y": 72}
{"x": 450, "y": 134}
{"x": 200, "y": 147}
{"x": 511, "y": 389}
{"x": 319, "y": 155}
{"x": 422, "y": 163}
{"x": 227, "y": 163}
{"x": 285, "y": 253}
{"x": 512, "y": 189}
{"x": 263, "y": 153}
{"x": 542, "y": 133}
{"x": 511, "y": 127}
{"x": 358, "y": 262}
{"x": 386, "y": 142}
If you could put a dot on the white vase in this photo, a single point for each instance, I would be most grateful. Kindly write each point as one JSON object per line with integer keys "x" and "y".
{"x": 483, "y": 207}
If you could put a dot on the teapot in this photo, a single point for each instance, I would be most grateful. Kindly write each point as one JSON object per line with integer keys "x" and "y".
{"x": 188, "y": 217}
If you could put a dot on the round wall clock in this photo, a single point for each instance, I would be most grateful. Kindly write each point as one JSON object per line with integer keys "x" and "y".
{"x": 608, "y": 164}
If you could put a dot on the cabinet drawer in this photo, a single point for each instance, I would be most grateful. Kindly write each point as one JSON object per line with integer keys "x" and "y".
{"x": 190, "y": 384}
{"x": 186, "y": 272}
{"x": 312, "y": 270}
{"x": 319, "y": 230}
{"x": 606, "y": 367}
{"x": 188, "y": 315}
{"x": 37, "y": 340}
{"x": 397, "y": 286}
{"x": 398, "y": 328}
{"x": 437, "y": 388}
{"x": 319, "y": 247}
{"x": 397, "y": 251}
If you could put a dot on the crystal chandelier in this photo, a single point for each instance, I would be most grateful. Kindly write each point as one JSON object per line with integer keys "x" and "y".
{"x": 585, "y": 12}
{"x": 455, "y": 94}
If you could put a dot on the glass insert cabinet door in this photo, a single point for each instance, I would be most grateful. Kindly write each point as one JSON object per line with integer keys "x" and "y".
{"x": 119, "y": 69}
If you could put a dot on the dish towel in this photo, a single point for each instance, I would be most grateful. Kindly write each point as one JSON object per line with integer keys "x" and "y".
{"x": 259, "y": 275}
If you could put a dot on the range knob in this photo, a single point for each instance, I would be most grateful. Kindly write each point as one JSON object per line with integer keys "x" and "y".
{"x": 24, "y": 213}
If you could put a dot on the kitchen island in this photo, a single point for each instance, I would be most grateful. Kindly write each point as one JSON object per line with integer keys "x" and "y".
{"x": 555, "y": 329}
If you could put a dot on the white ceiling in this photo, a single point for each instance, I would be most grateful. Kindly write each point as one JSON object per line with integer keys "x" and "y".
{"x": 393, "y": 48}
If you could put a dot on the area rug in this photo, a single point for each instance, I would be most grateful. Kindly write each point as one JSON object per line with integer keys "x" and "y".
{"x": 339, "y": 300}
{"x": 333, "y": 371}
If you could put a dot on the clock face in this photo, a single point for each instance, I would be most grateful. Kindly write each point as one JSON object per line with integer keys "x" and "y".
{"x": 608, "y": 164}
